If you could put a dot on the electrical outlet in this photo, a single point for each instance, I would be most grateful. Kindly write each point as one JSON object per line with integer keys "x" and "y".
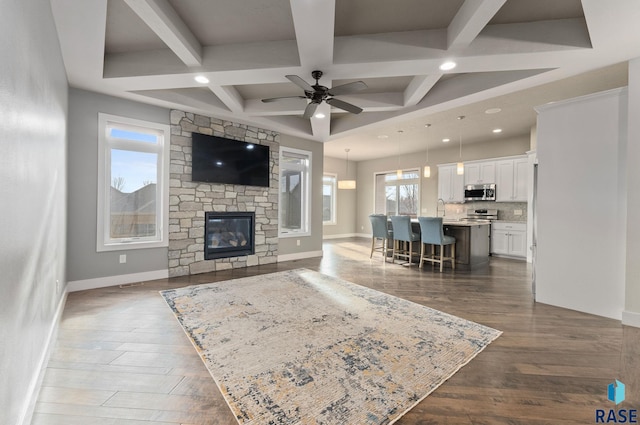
{"x": 57, "y": 285}
{"x": 361, "y": 227}
{"x": 298, "y": 242}
{"x": 517, "y": 212}
{"x": 123, "y": 258}
{"x": 458, "y": 211}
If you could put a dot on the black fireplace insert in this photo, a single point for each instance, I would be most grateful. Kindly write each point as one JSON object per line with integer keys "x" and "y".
{"x": 228, "y": 234}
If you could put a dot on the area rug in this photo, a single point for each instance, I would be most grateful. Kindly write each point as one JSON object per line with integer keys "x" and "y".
{"x": 301, "y": 347}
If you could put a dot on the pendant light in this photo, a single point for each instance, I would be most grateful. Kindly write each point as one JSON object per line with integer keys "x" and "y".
{"x": 427, "y": 168}
{"x": 399, "y": 171}
{"x": 347, "y": 184}
{"x": 460, "y": 165}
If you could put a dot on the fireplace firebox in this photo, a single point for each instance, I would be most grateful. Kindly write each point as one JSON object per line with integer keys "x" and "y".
{"x": 228, "y": 234}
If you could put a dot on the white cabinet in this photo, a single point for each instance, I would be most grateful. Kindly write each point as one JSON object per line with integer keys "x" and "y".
{"x": 450, "y": 184}
{"x": 511, "y": 179}
{"x": 509, "y": 239}
{"x": 480, "y": 172}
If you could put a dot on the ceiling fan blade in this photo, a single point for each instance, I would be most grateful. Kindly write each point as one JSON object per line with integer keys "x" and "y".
{"x": 347, "y": 88}
{"x": 274, "y": 99}
{"x": 309, "y": 110}
{"x": 344, "y": 105}
{"x": 300, "y": 83}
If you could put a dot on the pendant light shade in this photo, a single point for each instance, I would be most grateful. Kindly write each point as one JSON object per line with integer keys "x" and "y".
{"x": 460, "y": 165}
{"x": 399, "y": 171}
{"x": 427, "y": 169}
{"x": 347, "y": 184}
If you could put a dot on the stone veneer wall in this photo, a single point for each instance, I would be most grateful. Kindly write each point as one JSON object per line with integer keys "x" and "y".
{"x": 189, "y": 200}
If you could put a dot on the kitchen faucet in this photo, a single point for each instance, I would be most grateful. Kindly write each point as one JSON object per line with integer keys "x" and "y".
{"x": 444, "y": 211}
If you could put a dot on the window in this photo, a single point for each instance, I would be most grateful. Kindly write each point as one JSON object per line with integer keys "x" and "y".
{"x": 398, "y": 195}
{"x": 295, "y": 173}
{"x": 329, "y": 182}
{"x": 133, "y": 180}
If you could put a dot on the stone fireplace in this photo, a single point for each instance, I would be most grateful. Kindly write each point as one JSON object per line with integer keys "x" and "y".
{"x": 190, "y": 201}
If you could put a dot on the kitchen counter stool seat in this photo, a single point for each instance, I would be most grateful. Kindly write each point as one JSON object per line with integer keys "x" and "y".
{"x": 431, "y": 233}
{"x": 380, "y": 231}
{"x": 403, "y": 237}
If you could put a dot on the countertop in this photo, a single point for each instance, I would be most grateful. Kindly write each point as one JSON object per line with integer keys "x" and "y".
{"x": 466, "y": 223}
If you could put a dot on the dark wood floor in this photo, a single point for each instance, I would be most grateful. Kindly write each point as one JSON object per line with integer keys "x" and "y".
{"x": 121, "y": 358}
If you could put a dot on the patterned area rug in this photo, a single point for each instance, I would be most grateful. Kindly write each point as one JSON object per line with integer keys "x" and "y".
{"x": 300, "y": 347}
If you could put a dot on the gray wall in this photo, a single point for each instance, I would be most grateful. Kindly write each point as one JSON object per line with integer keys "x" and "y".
{"x": 346, "y": 200}
{"x": 313, "y": 242}
{"x": 83, "y": 261}
{"x": 33, "y": 112}
{"x": 429, "y": 187}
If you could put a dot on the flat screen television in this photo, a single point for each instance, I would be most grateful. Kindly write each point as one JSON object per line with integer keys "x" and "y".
{"x": 221, "y": 160}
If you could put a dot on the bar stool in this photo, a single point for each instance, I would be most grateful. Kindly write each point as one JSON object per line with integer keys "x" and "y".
{"x": 402, "y": 232}
{"x": 380, "y": 228}
{"x": 432, "y": 234}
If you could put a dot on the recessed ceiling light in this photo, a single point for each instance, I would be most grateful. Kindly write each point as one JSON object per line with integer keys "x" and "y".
{"x": 497, "y": 130}
{"x": 201, "y": 79}
{"x": 492, "y": 111}
{"x": 319, "y": 115}
{"x": 446, "y": 140}
{"x": 447, "y": 66}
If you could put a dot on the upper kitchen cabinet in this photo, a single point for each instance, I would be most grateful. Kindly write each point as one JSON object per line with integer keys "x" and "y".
{"x": 511, "y": 179}
{"x": 479, "y": 172}
{"x": 450, "y": 184}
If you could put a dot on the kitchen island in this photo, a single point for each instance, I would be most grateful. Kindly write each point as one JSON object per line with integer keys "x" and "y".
{"x": 472, "y": 242}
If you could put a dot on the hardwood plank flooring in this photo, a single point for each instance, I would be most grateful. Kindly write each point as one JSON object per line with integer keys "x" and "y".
{"x": 121, "y": 358}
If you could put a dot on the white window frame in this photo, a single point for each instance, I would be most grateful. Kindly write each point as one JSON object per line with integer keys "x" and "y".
{"x": 105, "y": 144}
{"x": 305, "y": 224}
{"x": 334, "y": 198}
{"x": 417, "y": 180}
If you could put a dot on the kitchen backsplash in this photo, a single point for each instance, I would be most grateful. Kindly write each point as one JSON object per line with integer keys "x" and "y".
{"x": 507, "y": 211}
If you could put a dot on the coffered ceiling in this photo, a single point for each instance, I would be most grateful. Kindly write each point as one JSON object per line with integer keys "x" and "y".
{"x": 151, "y": 50}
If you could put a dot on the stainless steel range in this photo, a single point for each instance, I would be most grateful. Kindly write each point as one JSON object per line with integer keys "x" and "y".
{"x": 482, "y": 214}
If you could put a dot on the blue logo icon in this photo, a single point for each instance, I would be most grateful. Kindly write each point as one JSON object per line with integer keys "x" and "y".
{"x": 615, "y": 392}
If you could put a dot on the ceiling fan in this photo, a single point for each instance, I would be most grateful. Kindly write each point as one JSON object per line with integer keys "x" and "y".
{"x": 317, "y": 93}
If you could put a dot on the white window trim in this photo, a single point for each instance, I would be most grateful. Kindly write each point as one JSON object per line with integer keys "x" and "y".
{"x": 418, "y": 180}
{"x": 104, "y": 184}
{"x": 334, "y": 212}
{"x": 306, "y": 203}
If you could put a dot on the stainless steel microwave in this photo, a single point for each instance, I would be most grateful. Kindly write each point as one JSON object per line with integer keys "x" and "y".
{"x": 480, "y": 192}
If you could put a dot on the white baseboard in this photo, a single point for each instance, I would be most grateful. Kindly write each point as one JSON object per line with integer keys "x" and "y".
{"x": 299, "y": 256}
{"x": 344, "y": 235}
{"x": 123, "y": 279}
{"x": 36, "y": 381}
{"x": 631, "y": 318}
{"x": 363, "y": 235}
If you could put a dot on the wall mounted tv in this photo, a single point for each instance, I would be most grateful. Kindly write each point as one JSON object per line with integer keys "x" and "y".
{"x": 220, "y": 160}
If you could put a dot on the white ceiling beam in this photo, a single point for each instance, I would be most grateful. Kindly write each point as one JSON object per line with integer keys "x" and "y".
{"x": 314, "y": 25}
{"x": 499, "y": 47}
{"x": 83, "y": 61}
{"x": 162, "y": 18}
{"x": 471, "y": 18}
{"x": 419, "y": 87}
{"x": 560, "y": 35}
{"x": 229, "y": 96}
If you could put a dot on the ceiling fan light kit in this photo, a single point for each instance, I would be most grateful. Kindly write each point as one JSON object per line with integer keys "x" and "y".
{"x": 317, "y": 94}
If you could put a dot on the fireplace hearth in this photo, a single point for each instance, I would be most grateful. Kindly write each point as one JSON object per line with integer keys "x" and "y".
{"x": 229, "y": 234}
